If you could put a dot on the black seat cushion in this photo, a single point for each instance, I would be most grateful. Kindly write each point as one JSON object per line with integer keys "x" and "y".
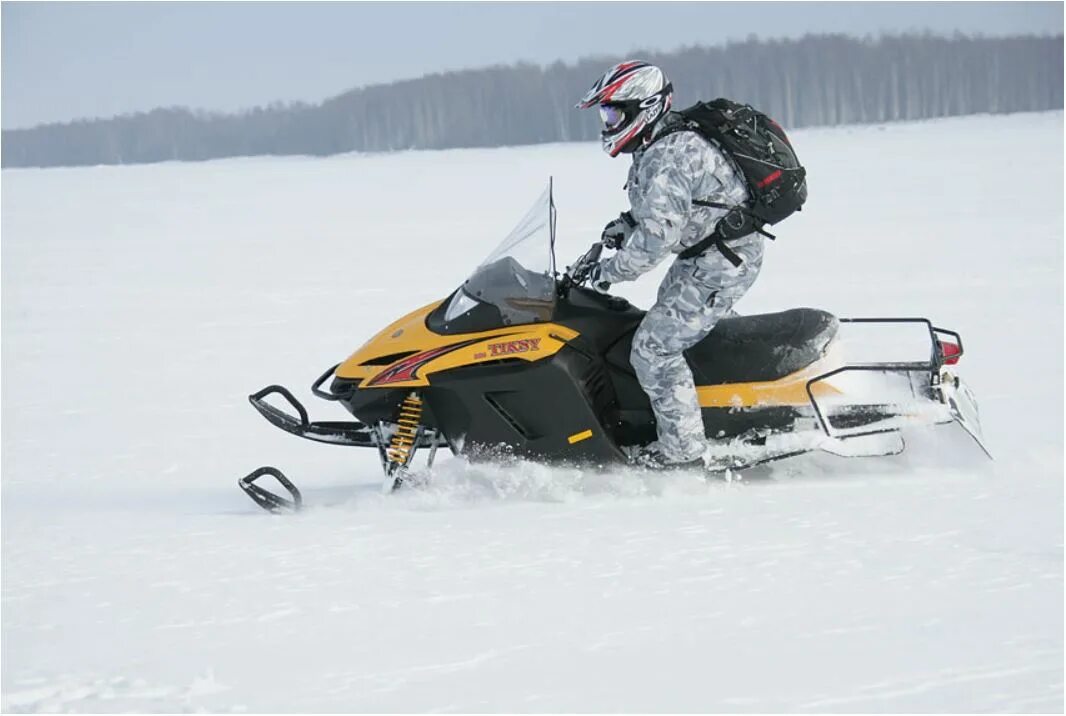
{"x": 762, "y": 347}
{"x": 749, "y": 349}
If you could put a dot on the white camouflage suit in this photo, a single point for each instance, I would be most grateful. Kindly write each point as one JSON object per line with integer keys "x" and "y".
{"x": 665, "y": 178}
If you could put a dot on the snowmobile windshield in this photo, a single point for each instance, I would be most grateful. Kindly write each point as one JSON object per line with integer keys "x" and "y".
{"x": 514, "y": 285}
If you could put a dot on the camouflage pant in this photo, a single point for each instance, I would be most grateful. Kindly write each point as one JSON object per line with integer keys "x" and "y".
{"x": 693, "y": 297}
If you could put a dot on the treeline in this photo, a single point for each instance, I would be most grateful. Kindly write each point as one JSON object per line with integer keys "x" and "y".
{"x": 816, "y": 80}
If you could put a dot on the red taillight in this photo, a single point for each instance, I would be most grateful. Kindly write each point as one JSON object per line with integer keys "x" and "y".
{"x": 951, "y": 352}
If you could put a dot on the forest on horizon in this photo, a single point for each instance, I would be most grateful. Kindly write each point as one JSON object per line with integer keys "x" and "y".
{"x": 812, "y": 81}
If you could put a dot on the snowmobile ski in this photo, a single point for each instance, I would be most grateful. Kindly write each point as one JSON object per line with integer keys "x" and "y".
{"x": 266, "y": 499}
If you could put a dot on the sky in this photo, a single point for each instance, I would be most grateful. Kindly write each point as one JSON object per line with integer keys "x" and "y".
{"x": 64, "y": 61}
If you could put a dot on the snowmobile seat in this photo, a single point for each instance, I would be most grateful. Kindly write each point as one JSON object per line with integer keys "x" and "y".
{"x": 762, "y": 347}
{"x": 750, "y": 349}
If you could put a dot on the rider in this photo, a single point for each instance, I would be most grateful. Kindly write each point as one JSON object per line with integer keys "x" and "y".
{"x": 667, "y": 180}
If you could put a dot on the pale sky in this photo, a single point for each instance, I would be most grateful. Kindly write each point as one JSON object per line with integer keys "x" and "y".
{"x": 63, "y": 61}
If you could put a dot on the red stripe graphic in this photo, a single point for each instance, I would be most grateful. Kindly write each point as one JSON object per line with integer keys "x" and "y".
{"x": 624, "y": 140}
{"x": 770, "y": 179}
{"x": 407, "y": 369}
{"x": 620, "y": 79}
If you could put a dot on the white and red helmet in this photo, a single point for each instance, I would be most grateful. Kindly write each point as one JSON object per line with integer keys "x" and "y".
{"x": 632, "y": 97}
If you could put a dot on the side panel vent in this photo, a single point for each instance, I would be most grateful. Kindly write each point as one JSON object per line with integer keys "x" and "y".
{"x": 507, "y": 405}
{"x": 598, "y": 387}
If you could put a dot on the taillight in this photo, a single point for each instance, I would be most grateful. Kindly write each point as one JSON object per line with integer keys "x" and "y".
{"x": 950, "y": 351}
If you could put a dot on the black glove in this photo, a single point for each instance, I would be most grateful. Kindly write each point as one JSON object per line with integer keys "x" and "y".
{"x": 598, "y": 284}
{"x": 618, "y": 230}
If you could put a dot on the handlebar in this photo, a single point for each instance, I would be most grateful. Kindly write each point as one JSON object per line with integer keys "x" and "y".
{"x": 578, "y": 273}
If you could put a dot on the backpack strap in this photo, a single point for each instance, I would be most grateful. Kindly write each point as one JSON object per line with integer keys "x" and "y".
{"x": 714, "y": 239}
{"x": 712, "y": 204}
{"x": 718, "y": 240}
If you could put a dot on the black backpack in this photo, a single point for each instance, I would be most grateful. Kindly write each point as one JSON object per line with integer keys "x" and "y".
{"x": 777, "y": 183}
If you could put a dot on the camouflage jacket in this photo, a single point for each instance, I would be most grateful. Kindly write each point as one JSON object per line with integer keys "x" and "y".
{"x": 665, "y": 178}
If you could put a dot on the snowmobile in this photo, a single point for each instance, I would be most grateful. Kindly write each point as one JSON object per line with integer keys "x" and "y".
{"x": 522, "y": 360}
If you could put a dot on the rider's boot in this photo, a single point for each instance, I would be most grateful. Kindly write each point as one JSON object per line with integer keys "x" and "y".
{"x": 652, "y": 457}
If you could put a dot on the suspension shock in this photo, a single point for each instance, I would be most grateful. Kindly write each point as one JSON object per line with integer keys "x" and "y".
{"x": 402, "y": 443}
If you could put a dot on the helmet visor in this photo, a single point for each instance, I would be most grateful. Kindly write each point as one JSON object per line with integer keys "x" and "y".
{"x": 611, "y": 116}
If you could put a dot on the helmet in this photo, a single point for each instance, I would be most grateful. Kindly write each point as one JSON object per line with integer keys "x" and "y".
{"x": 632, "y": 97}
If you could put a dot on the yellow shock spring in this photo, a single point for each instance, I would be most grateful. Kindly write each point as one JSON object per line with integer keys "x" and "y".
{"x": 403, "y": 440}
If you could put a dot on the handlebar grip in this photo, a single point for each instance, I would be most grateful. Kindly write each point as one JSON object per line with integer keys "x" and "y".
{"x": 579, "y": 272}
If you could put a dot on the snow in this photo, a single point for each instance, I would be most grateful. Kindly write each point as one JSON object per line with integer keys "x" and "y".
{"x": 142, "y": 304}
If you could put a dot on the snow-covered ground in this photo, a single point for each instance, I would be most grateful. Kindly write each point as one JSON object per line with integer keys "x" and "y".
{"x": 142, "y": 304}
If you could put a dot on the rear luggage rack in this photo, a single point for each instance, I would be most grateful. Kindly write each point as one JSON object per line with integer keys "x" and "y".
{"x": 961, "y": 404}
